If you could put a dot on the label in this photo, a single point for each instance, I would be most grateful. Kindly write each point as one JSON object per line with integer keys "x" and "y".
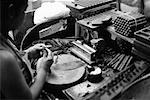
{"x": 59, "y": 26}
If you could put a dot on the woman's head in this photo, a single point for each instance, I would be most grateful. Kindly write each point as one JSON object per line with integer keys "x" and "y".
{"x": 12, "y": 14}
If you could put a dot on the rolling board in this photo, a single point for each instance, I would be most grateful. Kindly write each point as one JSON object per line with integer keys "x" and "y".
{"x": 113, "y": 86}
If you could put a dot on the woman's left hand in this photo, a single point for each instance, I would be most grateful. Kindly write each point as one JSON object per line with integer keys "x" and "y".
{"x": 34, "y": 51}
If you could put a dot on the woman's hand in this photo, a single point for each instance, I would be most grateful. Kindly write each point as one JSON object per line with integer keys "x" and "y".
{"x": 34, "y": 51}
{"x": 44, "y": 63}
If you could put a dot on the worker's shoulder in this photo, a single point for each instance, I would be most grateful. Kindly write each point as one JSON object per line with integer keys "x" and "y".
{"x": 6, "y": 58}
{"x": 4, "y": 54}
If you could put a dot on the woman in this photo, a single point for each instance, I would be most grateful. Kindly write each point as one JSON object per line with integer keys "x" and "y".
{"x": 15, "y": 79}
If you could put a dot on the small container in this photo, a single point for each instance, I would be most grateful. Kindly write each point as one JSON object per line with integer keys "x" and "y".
{"x": 94, "y": 75}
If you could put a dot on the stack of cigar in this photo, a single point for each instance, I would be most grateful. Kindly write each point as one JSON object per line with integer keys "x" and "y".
{"x": 120, "y": 61}
{"x": 127, "y": 24}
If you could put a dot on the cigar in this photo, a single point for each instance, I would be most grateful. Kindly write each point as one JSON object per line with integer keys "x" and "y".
{"x": 122, "y": 65}
{"x": 48, "y": 46}
{"x": 115, "y": 58}
{"x": 128, "y": 62}
{"x": 119, "y": 62}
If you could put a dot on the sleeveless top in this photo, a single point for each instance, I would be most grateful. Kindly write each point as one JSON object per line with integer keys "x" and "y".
{"x": 7, "y": 45}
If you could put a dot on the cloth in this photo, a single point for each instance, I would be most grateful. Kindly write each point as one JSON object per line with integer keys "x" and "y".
{"x": 50, "y": 11}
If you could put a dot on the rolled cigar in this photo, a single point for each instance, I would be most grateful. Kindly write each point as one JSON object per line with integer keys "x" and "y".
{"x": 128, "y": 62}
{"x": 115, "y": 61}
{"x": 122, "y": 65}
{"x": 115, "y": 58}
{"x": 119, "y": 62}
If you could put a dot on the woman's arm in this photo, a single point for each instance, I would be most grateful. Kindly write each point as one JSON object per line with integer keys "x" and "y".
{"x": 36, "y": 88}
{"x": 13, "y": 84}
{"x": 43, "y": 66}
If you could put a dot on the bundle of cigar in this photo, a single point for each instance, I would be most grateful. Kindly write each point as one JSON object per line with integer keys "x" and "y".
{"x": 127, "y": 24}
{"x": 120, "y": 61}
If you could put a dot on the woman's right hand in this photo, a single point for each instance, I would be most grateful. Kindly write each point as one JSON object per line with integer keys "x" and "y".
{"x": 44, "y": 63}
